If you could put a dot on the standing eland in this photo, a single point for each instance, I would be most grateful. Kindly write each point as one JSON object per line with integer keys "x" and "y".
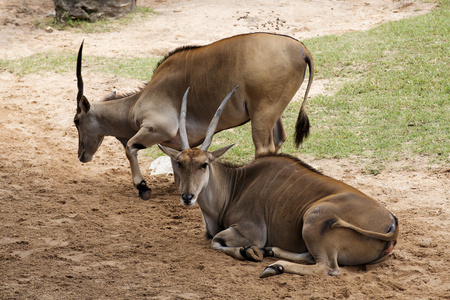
{"x": 269, "y": 69}
{"x": 280, "y": 207}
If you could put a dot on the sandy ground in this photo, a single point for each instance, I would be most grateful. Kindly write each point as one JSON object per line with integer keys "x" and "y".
{"x": 78, "y": 231}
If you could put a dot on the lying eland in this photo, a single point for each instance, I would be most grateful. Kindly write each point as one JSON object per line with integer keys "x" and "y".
{"x": 269, "y": 69}
{"x": 280, "y": 207}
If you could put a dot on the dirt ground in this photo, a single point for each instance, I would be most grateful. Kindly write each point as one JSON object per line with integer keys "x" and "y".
{"x": 79, "y": 231}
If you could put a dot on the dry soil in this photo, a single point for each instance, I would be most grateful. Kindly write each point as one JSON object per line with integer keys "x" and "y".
{"x": 78, "y": 231}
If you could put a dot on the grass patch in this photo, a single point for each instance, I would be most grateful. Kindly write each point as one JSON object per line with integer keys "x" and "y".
{"x": 396, "y": 99}
{"x": 65, "y": 62}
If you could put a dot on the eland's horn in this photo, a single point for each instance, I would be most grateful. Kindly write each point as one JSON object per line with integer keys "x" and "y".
{"x": 183, "y": 133}
{"x": 215, "y": 120}
{"x": 79, "y": 78}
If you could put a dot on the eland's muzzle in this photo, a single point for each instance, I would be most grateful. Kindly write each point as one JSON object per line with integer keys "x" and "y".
{"x": 83, "y": 157}
{"x": 187, "y": 199}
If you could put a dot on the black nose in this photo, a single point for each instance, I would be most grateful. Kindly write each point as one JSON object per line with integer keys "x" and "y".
{"x": 187, "y": 197}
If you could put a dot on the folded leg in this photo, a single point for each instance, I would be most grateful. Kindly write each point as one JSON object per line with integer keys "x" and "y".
{"x": 291, "y": 256}
{"x": 230, "y": 241}
{"x": 282, "y": 266}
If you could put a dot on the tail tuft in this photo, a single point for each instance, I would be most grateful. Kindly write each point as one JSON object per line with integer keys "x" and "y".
{"x": 302, "y": 125}
{"x": 301, "y": 128}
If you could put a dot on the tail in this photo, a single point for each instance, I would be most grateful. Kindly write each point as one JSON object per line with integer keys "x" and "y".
{"x": 302, "y": 125}
{"x": 389, "y": 236}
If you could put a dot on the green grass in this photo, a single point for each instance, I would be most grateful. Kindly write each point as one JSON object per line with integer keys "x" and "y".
{"x": 395, "y": 102}
{"x": 65, "y": 62}
{"x": 392, "y": 101}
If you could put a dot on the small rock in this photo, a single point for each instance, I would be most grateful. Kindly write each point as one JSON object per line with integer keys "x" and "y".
{"x": 161, "y": 165}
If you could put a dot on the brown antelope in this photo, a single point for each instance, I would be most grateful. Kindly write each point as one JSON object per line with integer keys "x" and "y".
{"x": 279, "y": 206}
{"x": 269, "y": 69}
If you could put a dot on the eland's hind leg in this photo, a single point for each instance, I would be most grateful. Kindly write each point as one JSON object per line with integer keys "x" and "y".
{"x": 265, "y": 113}
{"x": 279, "y": 134}
{"x": 320, "y": 243}
{"x": 326, "y": 263}
{"x": 320, "y": 249}
{"x": 283, "y": 266}
{"x": 262, "y": 134}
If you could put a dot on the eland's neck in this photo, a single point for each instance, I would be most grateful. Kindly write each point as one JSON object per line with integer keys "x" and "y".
{"x": 217, "y": 196}
{"x": 113, "y": 117}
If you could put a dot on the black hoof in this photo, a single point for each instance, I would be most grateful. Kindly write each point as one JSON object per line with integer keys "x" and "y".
{"x": 267, "y": 252}
{"x": 144, "y": 191}
{"x": 251, "y": 253}
{"x": 272, "y": 270}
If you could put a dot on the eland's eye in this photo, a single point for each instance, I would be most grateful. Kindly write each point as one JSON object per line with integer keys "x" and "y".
{"x": 204, "y": 165}
{"x": 76, "y": 121}
{"x": 178, "y": 164}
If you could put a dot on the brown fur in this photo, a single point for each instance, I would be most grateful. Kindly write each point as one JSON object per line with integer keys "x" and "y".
{"x": 268, "y": 68}
{"x": 277, "y": 204}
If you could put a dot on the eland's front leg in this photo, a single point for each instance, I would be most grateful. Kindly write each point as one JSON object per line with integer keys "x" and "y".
{"x": 147, "y": 136}
{"x": 291, "y": 256}
{"x": 231, "y": 242}
{"x": 144, "y": 191}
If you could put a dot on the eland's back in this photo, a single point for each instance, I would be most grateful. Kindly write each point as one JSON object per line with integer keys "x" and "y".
{"x": 268, "y": 68}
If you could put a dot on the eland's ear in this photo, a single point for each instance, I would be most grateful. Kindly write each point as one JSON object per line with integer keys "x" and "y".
{"x": 219, "y": 152}
{"x": 84, "y": 105}
{"x": 169, "y": 151}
